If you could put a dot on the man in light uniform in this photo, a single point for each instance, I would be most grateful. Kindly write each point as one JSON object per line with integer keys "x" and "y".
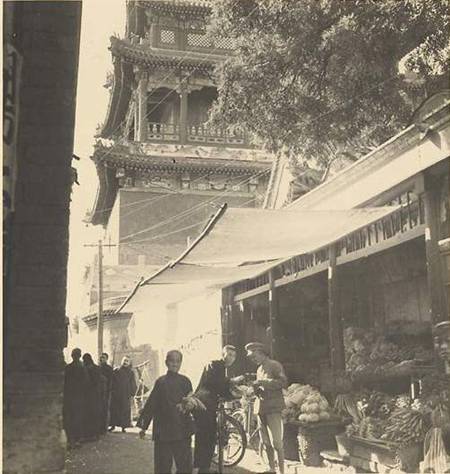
{"x": 269, "y": 384}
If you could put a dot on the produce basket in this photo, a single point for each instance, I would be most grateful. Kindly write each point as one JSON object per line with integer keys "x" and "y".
{"x": 316, "y": 437}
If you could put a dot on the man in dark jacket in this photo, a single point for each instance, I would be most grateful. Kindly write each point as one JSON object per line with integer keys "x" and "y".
{"x": 107, "y": 373}
{"x": 123, "y": 390}
{"x": 172, "y": 428}
{"x": 213, "y": 384}
{"x": 75, "y": 382}
{"x": 93, "y": 398}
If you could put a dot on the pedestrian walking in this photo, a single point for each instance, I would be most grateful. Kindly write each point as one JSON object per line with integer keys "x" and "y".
{"x": 123, "y": 390}
{"x": 172, "y": 428}
{"x": 93, "y": 405}
{"x": 269, "y": 384}
{"x": 212, "y": 385}
{"x": 75, "y": 382}
{"x": 107, "y": 372}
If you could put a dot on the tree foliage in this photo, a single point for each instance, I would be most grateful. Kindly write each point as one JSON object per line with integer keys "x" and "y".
{"x": 319, "y": 77}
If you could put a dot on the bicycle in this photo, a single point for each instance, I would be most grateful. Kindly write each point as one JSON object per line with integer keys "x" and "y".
{"x": 231, "y": 439}
{"x": 245, "y": 415}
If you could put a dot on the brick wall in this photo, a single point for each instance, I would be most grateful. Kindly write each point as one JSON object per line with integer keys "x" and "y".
{"x": 47, "y": 36}
{"x": 133, "y": 219}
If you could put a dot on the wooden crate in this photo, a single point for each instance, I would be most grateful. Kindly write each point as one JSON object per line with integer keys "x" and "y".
{"x": 376, "y": 457}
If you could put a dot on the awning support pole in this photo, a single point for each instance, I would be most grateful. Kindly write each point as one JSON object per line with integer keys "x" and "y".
{"x": 227, "y": 314}
{"x": 337, "y": 354}
{"x": 435, "y": 274}
{"x": 273, "y": 330}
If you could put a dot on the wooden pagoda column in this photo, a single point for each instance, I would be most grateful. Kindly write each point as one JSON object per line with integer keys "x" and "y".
{"x": 184, "y": 92}
{"x": 142, "y": 108}
{"x": 273, "y": 316}
{"x": 435, "y": 273}
{"x": 337, "y": 354}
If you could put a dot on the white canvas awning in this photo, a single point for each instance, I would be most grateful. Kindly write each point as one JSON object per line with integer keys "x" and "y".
{"x": 243, "y": 243}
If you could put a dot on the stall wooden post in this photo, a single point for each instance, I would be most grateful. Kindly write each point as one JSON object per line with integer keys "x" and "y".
{"x": 273, "y": 309}
{"x": 435, "y": 276}
{"x": 337, "y": 354}
{"x": 226, "y": 314}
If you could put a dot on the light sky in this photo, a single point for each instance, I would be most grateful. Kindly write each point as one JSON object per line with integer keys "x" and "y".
{"x": 100, "y": 20}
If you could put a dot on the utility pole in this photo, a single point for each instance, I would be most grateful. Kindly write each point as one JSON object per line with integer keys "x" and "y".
{"x": 100, "y": 246}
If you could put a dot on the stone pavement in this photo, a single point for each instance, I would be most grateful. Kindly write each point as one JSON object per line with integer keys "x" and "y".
{"x": 125, "y": 453}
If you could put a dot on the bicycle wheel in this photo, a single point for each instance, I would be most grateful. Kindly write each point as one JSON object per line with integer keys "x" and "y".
{"x": 232, "y": 443}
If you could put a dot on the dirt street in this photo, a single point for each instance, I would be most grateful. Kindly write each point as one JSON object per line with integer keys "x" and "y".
{"x": 125, "y": 453}
{"x": 119, "y": 453}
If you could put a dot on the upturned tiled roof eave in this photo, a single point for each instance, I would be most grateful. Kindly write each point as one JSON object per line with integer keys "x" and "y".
{"x": 145, "y": 55}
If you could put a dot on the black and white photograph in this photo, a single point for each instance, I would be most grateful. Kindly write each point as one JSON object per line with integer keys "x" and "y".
{"x": 226, "y": 236}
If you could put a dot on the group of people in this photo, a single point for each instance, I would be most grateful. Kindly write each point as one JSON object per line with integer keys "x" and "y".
{"x": 173, "y": 428}
{"x": 96, "y": 397}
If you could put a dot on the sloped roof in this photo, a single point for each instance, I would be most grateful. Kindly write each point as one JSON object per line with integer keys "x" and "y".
{"x": 418, "y": 147}
{"x": 188, "y": 7}
{"x": 121, "y": 156}
{"x": 152, "y": 57}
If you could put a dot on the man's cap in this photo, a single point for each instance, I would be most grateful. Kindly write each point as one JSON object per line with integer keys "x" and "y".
{"x": 229, "y": 347}
{"x": 255, "y": 346}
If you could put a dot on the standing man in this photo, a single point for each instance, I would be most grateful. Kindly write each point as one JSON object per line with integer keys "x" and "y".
{"x": 213, "y": 384}
{"x": 107, "y": 373}
{"x": 75, "y": 382}
{"x": 269, "y": 384}
{"x": 172, "y": 429}
{"x": 93, "y": 405}
{"x": 123, "y": 390}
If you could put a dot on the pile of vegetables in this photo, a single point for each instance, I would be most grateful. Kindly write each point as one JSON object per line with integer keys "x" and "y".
{"x": 368, "y": 353}
{"x": 406, "y": 426}
{"x": 345, "y": 406}
{"x": 304, "y": 403}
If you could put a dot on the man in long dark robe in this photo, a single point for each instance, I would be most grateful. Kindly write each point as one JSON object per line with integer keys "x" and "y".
{"x": 213, "y": 384}
{"x": 172, "y": 429}
{"x": 93, "y": 405}
{"x": 123, "y": 390}
{"x": 107, "y": 372}
{"x": 75, "y": 381}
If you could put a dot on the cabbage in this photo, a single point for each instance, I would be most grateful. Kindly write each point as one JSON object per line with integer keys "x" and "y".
{"x": 314, "y": 417}
{"x": 304, "y": 408}
{"x": 297, "y": 398}
{"x": 323, "y": 405}
{"x": 303, "y": 417}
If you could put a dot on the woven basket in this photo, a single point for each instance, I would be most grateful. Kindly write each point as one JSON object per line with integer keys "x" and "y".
{"x": 313, "y": 440}
{"x": 309, "y": 449}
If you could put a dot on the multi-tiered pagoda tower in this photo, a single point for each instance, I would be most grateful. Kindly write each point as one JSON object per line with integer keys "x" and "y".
{"x": 162, "y": 170}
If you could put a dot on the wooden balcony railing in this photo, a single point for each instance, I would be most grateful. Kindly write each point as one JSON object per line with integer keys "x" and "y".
{"x": 166, "y": 132}
{"x": 195, "y": 134}
{"x": 207, "y": 134}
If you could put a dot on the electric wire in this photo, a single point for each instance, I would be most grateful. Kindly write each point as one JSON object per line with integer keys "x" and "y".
{"x": 187, "y": 212}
